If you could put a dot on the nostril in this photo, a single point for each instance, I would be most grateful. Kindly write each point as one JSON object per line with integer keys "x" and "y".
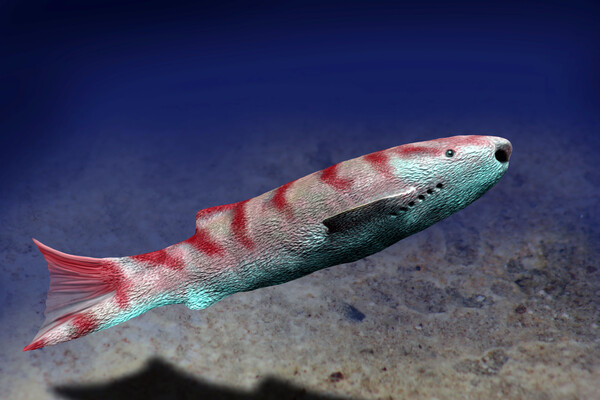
{"x": 501, "y": 155}
{"x": 503, "y": 149}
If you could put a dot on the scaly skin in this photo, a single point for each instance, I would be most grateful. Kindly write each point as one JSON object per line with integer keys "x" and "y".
{"x": 340, "y": 214}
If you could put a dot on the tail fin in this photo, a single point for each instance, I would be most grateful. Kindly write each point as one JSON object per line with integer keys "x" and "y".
{"x": 78, "y": 287}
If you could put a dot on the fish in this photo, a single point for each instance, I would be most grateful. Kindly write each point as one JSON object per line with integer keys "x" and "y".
{"x": 338, "y": 215}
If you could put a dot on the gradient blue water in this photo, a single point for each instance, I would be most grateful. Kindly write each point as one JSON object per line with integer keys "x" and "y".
{"x": 176, "y": 103}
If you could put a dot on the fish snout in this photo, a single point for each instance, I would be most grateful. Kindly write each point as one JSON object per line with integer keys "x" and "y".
{"x": 502, "y": 149}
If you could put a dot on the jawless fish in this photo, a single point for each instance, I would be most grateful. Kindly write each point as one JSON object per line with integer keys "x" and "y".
{"x": 338, "y": 215}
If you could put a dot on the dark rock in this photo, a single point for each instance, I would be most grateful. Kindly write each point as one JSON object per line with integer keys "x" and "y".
{"x": 521, "y": 309}
{"x": 353, "y": 314}
{"x": 336, "y": 376}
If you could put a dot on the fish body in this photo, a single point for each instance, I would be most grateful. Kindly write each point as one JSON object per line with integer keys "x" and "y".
{"x": 341, "y": 214}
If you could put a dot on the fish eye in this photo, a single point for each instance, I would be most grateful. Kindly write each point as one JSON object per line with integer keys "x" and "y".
{"x": 449, "y": 153}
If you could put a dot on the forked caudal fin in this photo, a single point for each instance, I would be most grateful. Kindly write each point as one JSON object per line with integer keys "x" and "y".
{"x": 79, "y": 287}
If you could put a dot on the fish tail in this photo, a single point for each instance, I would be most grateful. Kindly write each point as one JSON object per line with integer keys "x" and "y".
{"x": 86, "y": 295}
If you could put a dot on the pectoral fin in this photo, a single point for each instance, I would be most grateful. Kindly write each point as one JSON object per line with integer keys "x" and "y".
{"x": 387, "y": 206}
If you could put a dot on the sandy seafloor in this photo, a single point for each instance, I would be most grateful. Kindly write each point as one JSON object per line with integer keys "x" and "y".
{"x": 500, "y": 301}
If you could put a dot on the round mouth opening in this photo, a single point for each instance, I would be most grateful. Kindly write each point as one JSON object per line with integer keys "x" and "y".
{"x": 501, "y": 155}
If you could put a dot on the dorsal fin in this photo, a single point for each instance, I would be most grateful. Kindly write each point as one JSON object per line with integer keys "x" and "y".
{"x": 206, "y": 214}
{"x": 390, "y": 205}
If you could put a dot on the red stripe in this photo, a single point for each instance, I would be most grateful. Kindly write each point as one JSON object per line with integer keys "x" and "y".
{"x": 379, "y": 161}
{"x": 416, "y": 150}
{"x": 239, "y": 225}
{"x": 118, "y": 283}
{"x": 279, "y": 199}
{"x": 160, "y": 258}
{"x": 329, "y": 176}
{"x": 84, "y": 324}
{"x": 202, "y": 242}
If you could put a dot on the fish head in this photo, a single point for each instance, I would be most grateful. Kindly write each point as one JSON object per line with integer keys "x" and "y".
{"x": 448, "y": 174}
